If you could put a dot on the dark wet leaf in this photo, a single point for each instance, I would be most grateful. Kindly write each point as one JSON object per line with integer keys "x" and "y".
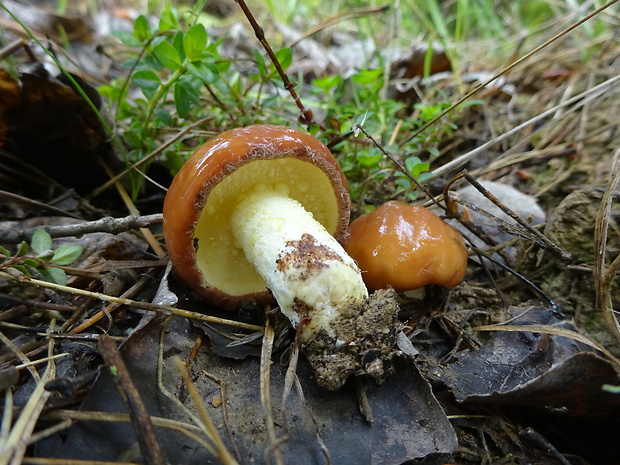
{"x": 534, "y": 370}
{"x": 408, "y": 421}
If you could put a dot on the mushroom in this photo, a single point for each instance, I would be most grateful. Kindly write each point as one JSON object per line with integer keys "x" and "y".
{"x": 406, "y": 247}
{"x": 257, "y": 212}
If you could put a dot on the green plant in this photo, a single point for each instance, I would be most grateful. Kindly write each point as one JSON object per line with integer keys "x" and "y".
{"x": 39, "y": 257}
{"x": 358, "y": 101}
{"x": 183, "y": 78}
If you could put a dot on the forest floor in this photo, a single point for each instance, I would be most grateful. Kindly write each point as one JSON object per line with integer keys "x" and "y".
{"x": 114, "y": 360}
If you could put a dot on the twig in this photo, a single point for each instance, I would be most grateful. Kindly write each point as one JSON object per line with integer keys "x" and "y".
{"x": 223, "y": 454}
{"x": 160, "y": 309}
{"x": 265, "y": 395}
{"x": 306, "y": 116}
{"x": 537, "y": 236}
{"x": 107, "y": 224}
{"x": 140, "y": 419}
{"x": 35, "y": 203}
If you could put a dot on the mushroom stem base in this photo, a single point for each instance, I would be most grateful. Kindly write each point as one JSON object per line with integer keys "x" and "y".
{"x": 307, "y": 270}
{"x": 319, "y": 288}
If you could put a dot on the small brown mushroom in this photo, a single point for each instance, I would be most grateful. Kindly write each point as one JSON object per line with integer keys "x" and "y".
{"x": 406, "y": 247}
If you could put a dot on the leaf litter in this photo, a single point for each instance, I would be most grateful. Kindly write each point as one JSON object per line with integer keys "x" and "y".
{"x": 468, "y": 387}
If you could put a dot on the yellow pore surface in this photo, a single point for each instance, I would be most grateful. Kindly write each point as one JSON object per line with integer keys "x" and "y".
{"x": 218, "y": 254}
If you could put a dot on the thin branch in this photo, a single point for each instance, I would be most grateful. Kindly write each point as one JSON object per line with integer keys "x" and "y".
{"x": 159, "y": 309}
{"x": 107, "y": 224}
{"x": 140, "y": 419}
{"x": 306, "y": 116}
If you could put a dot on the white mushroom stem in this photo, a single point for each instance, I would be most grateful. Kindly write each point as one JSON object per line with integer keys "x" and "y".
{"x": 306, "y": 269}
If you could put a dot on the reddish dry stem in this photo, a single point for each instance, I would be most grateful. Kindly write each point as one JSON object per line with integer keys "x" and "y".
{"x": 306, "y": 116}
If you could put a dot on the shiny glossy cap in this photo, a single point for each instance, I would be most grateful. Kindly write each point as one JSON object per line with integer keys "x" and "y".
{"x": 406, "y": 247}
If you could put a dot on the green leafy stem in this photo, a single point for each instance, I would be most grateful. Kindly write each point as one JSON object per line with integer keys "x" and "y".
{"x": 38, "y": 256}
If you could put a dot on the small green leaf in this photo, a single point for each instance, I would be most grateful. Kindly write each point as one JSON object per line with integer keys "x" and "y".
{"x": 285, "y": 57}
{"x": 402, "y": 181}
{"x": 413, "y": 196}
{"x": 22, "y": 249}
{"x": 167, "y": 55}
{"x": 127, "y": 38}
{"x": 31, "y": 262}
{"x": 181, "y": 99}
{"x": 260, "y": 62}
{"x": 369, "y": 159}
{"x": 164, "y": 116}
{"x": 168, "y": 19}
{"x": 5, "y": 252}
{"x": 150, "y": 62}
{"x": 426, "y": 176}
{"x": 328, "y": 83}
{"x": 41, "y": 241}
{"x": 54, "y": 275}
{"x": 195, "y": 41}
{"x": 66, "y": 254}
{"x": 177, "y": 43}
{"x": 142, "y": 29}
{"x": 434, "y": 151}
{"x": 367, "y": 76}
{"x": 416, "y": 166}
{"x": 201, "y": 71}
{"x": 146, "y": 80}
{"x": 22, "y": 269}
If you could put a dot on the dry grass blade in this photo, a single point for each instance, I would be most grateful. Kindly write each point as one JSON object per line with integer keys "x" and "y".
{"x": 604, "y": 88}
{"x": 604, "y": 276}
{"x": 160, "y": 309}
{"x": 221, "y": 452}
{"x": 13, "y": 448}
{"x": 265, "y": 396}
{"x": 551, "y": 330}
{"x": 200, "y": 425}
{"x": 511, "y": 66}
{"x": 342, "y": 16}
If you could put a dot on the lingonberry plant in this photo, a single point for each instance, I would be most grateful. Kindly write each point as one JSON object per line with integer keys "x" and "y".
{"x": 38, "y": 257}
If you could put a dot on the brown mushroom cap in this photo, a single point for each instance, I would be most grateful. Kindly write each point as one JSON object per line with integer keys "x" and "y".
{"x": 203, "y": 196}
{"x": 406, "y": 247}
